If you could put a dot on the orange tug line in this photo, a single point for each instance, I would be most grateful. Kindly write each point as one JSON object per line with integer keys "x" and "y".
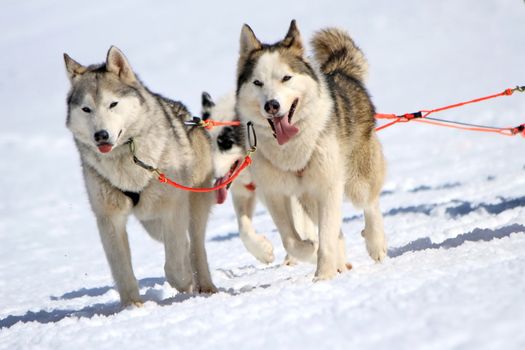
{"x": 161, "y": 177}
{"x": 421, "y": 115}
{"x": 210, "y": 124}
{"x": 417, "y": 117}
{"x": 247, "y": 161}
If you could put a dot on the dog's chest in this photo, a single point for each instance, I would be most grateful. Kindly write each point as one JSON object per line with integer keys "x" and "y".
{"x": 294, "y": 157}
{"x": 123, "y": 173}
{"x": 320, "y": 165}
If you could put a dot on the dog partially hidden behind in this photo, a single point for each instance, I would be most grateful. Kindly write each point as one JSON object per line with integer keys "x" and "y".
{"x": 107, "y": 107}
{"x": 316, "y": 140}
{"x": 228, "y": 151}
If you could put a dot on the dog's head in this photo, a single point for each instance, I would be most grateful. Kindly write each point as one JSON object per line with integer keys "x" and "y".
{"x": 104, "y": 102}
{"x": 228, "y": 147}
{"x": 274, "y": 82}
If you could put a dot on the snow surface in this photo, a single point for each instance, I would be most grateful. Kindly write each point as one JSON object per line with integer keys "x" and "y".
{"x": 454, "y": 202}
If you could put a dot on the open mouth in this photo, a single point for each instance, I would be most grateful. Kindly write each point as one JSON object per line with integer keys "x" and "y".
{"x": 282, "y": 127}
{"x": 105, "y": 147}
{"x": 222, "y": 193}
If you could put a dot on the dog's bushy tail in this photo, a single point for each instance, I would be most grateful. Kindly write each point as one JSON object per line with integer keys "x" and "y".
{"x": 334, "y": 50}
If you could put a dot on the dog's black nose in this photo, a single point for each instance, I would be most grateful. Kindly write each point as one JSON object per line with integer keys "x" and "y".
{"x": 101, "y": 135}
{"x": 272, "y": 106}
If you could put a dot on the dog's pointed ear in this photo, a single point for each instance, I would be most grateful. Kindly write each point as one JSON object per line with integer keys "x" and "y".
{"x": 207, "y": 101}
{"x": 207, "y": 105}
{"x": 117, "y": 63}
{"x": 292, "y": 40}
{"x": 73, "y": 68}
{"x": 249, "y": 41}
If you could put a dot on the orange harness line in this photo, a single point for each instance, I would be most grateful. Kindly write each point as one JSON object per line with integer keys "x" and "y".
{"x": 422, "y": 117}
{"x": 210, "y": 124}
{"x": 161, "y": 177}
{"x": 247, "y": 161}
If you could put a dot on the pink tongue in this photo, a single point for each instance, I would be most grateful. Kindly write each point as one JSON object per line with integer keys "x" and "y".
{"x": 221, "y": 193}
{"x": 283, "y": 129}
{"x": 105, "y": 148}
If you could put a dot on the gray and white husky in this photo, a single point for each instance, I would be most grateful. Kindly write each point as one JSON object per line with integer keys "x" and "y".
{"x": 316, "y": 140}
{"x": 108, "y": 106}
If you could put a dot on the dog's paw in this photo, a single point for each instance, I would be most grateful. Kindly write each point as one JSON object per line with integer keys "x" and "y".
{"x": 344, "y": 267}
{"x": 325, "y": 273}
{"x": 376, "y": 249}
{"x": 136, "y": 303}
{"x": 324, "y": 277}
{"x": 182, "y": 286}
{"x": 304, "y": 250}
{"x": 262, "y": 250}
{"x": 207, "y": 289}
{"x": 290, "y": 260}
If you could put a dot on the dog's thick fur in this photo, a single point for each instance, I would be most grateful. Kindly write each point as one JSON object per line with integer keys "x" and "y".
{"x": 326, "y": 145}
{"x": 108, "y": 105}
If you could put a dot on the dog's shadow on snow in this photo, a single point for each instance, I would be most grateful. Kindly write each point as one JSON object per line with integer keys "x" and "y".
{"x": 99, "y": 309}
{"x": 56, "y": 315}
{"x": 111, "y": 308}
{"x": 454, "y": 211}
{"x": 477, "y": 234}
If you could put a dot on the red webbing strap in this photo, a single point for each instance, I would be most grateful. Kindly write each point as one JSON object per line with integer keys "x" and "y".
{"x": 210, "y": 124}
{"x": 422, "y": 117}
{"x": 247, "y": 161}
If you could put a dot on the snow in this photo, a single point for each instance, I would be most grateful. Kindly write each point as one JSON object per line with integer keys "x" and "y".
{"x": 454, "y": 202}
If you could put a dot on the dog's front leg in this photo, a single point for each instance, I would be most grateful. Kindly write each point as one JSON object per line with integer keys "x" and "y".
{"x": 114, "y": 239}
{"x": 374, "y": 232}
{"x": 258, "y": 245}
{"x": 280, "y": 209}
{"x": 177, "y": 247}
{"x": 200, "y": 210}
{"x": 330, "y": 212}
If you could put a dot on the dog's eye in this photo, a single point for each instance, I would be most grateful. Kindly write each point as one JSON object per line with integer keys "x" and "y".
{"x": 113, "y": 104}
{"x": 86, "y": 109}
{"x": 258, "y": 83}
{"x": 286, "y": 78}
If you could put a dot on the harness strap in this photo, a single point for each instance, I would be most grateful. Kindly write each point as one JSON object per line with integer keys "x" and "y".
{"x": 423, "y": 117}
{"x": 247, "y": 161}
{"x": 162, "y": 177}
{"x": 134, "y": 196}
{"x": 210, "y": 123}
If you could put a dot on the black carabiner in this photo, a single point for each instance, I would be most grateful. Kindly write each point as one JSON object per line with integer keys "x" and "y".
{"x": 195, "y": 121}
{"x": 252, "y": 136}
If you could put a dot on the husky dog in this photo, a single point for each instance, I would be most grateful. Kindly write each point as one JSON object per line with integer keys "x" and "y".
{"x": 316, "y": 139}
{"x": 107, "y": 107}
{"x": 228, "y": 150}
